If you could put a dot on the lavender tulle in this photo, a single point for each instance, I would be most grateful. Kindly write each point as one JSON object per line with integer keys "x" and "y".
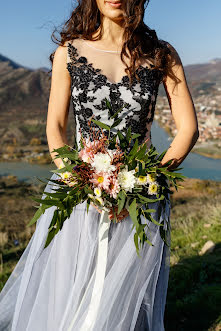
{"x": 47, "y": 285}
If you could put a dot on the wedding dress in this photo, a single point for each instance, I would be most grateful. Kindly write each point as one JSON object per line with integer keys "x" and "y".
{"x": 68, "y": 286}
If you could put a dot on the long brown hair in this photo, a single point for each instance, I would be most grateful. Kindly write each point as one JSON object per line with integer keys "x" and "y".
{"x": 139, "y": 39}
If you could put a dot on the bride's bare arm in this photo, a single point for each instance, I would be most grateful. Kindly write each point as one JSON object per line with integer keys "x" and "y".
{"x": 59, "y": 101}
{"x": 183, "y": 112}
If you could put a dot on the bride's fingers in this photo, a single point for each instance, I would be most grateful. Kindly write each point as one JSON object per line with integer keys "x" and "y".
{"x": 122, "y": 215}
{"x": 100, "y": 211}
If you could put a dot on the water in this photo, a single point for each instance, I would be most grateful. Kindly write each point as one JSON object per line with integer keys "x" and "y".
{"x": 195, "y": 165}
{"x": 27, "y": 172}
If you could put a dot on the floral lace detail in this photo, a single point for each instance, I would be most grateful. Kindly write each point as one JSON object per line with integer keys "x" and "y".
{"x": 90, "y": 87}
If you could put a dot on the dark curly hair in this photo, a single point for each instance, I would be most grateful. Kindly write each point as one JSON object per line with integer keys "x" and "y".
{"x": 138, "y": 38}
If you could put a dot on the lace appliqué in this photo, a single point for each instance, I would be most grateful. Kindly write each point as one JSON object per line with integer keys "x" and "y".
{"x": 90, "y": 87}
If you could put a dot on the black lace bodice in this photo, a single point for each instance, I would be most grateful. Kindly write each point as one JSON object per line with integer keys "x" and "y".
{"x": 90, "y": 87}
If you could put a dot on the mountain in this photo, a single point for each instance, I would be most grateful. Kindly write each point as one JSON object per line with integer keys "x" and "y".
{"x": 23, "y": 91}
{"x": 11, "y": 63}
{"x": 44, "y": 69}
{"x": 203, "y": 76}
{"x": 24, "y": 96}
{"x": 210, "y": 70}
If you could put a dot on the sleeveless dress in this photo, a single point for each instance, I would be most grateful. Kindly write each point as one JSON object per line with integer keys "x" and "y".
{"x": 51, "y": 289}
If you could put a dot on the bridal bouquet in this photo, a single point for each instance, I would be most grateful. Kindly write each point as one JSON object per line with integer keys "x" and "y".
{"x": 112, "y": 171}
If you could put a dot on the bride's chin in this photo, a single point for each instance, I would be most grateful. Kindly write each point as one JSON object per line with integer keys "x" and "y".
{"x": 113, "y": 13}
{"x": 113, "y": 17}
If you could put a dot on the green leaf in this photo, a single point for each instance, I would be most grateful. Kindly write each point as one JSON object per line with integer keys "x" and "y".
{"x": 140, "y": 228}
{"x": 149, "y": 210}
{"x": 61, "y": 150}
{"x": 136, "y": 243}
{"x": 133, "y": 212}
{"x": 151, "y": 218}
{"x": 54, "y": 220}
{"x": 102, "y": 125}
{"x": 128, "y": 134}
{"x": 117, "y": 112}
{"x": 116, "y": 123}
{"x": 50, "y": 236}
{"x": 69, "y": 206}
{"x": 57, "y": 195}
{"x": 68, "y": 167}
{"x": 134, "y": 150}
{"x": 163, "y": 234}
{"x": 62, "y": 219}
{"x": 121, "y": 200}
{"x": 36, "y": 216}
{"x": 135, "y": 135}
{"x": 88, "y": 205}
{"x": 81, "y": 143}
{"x": 145, "y": 199}
{"x": 149, "y": 242}
{"x": 47, "y": 202}
{"x": 73, "y": 155}
{"x": 140, "y": 154}
{"x": 161, "y": 155}
{"x": 120, "y": 135}
{"x": 108, "y": 104}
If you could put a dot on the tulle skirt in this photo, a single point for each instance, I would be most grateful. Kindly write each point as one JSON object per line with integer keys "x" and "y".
{"x": 50, "y": 288}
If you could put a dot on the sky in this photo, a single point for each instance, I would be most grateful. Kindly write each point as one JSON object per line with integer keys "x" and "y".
{"x": 192, "y": 27}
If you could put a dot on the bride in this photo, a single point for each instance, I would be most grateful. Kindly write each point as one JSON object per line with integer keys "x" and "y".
{"x": 80, "y": 282}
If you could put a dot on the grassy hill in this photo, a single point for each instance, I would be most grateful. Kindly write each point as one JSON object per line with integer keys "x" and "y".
{"x": 194, "y": 290}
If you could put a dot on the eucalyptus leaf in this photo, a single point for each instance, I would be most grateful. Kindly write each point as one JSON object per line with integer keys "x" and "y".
{"x": 133, "y": 212}
{"x": 116, "y": 123}
{"x": 117, "y": 112}
{"x": 102, "y": 125}
{"x": 121, "y": 200}
{"x": 136, "y": 243}
{"x": 36, "y": 216}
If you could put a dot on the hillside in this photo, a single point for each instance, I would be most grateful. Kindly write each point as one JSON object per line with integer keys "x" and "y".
{"x": 203, "y": 76}
{"x": 24, "y": 95}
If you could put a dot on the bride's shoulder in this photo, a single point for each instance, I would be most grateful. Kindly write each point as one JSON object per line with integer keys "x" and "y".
{"x": 171, "y": 51}
{"x": 61, "y": 50}
{"x": 73, "y": 42}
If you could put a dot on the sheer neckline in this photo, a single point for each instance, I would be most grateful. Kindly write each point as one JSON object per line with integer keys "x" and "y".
{"x": 101, "y": 50}
{"x": 98, "y": 71}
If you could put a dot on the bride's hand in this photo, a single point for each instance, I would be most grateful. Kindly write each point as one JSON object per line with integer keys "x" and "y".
{"x": 124, "y": 213}
{"x": 100, "y": 211}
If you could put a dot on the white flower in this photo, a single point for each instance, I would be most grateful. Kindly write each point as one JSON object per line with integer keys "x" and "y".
{"x": 91, "y": 196}
{"x": 151, "y": 178}
{"x": 127, "y": 179}
{"x": 86, "y": 158}
{"x": 102, "y": 162}
{"x": 66, "y": 175}
{"x": 66, "y": 159}
{"x": 97, "y": 191}
{"x": 153, "y": 187}
{"x": 142, "y": 180}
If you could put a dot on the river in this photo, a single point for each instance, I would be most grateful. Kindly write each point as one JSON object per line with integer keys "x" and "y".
{"x": 194, "y": 166}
